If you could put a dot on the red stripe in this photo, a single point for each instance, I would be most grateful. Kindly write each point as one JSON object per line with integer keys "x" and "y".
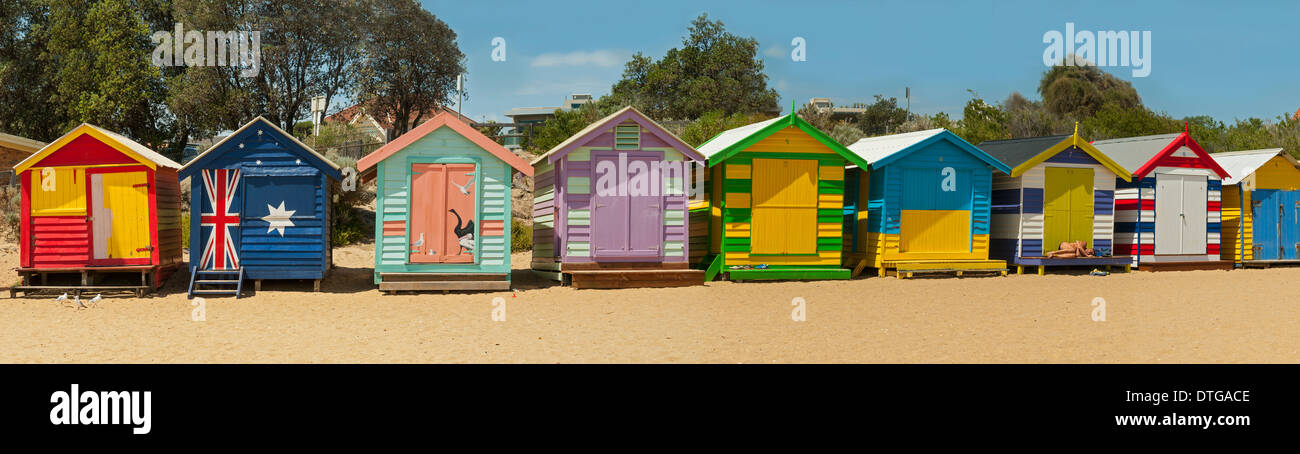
{"x": 1212, "y": 249}
{"x": 1213, "y": 206}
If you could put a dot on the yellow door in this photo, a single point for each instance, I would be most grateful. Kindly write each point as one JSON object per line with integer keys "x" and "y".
{"x": 120, "y": 203}
{"x": 1067, "y": 206}
{"x": 784, "y": 216}
{"x": 935, "y": 231}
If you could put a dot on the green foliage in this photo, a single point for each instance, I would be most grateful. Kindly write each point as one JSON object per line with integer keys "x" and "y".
{"x": 982, "y": 121}
{"x": 521, "y": 235}
{"x": 713, "y": 70}
{"x": 567, "y": 123}
{"x": 713, "y": 123}
{"x": 1080, "y": 91}
{"x": 411, "y": 65}
{"x": 846, "y": 133}
{"x": 881, "y": 117}
{"x": 185, "y": 229}
{"x": 349, "y": 223}
{"x": 11, "y": 205}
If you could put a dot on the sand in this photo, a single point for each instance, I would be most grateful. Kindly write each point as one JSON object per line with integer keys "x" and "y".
{"x": 1250, "y": 316}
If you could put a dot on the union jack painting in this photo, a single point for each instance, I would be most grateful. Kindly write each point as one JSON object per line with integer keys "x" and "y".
{"x": 220, "y": 251}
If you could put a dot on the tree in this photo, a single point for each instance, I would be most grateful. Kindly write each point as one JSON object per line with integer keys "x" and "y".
{"x": 715, "y": 122}
{"x": 881, "y": 117}
{"x": 819, "y": 117}
{"x": 25, "y": 85}
{"x": 1080, "y": 91}
{"x": 98, "y": 56}
{"x": 713, "y": 70}
{"x": 846, "y": 133}
{"x": 411, "y": 63}
{"x": 982, "y": 121}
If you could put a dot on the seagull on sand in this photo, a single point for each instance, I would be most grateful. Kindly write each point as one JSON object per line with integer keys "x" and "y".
{"x": 78, "y": 301}
{"x": 98, "y": 296}
{"x": 62, "y": 298}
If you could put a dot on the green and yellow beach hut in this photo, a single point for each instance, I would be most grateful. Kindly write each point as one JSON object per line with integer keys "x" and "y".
{"x": 776, "y": 195}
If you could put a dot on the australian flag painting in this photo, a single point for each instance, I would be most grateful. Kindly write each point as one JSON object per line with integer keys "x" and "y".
{"x": 220, "y": 222}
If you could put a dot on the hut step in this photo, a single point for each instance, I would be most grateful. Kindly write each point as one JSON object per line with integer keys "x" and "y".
{"x": 633, "y": 278}
{"x": 202, "y": 282}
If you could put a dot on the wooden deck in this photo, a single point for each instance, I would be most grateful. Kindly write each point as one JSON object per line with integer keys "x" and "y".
{"x": 1224, "y": 265}
{"x": 1042, "y": 263}
{"x": 1268, "y": 263}
{"x": 416, "y": 282}
{"x": 782, "y": 274}
{"x": 80, "y": 280}
{"x": 634, "y": 278}
{"x": 958, "y": 267}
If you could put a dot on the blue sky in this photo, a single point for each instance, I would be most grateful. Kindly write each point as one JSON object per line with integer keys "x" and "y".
{"x": 1225, "y": 59}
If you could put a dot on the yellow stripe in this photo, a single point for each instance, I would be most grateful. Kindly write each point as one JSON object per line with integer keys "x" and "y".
{"x": 738, "y": 200}
{"x": 831, "y": 173}
{"x": 738, "y": 171}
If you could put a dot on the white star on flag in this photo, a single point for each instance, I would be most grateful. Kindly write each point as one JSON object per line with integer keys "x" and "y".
{"x": 278, "y": 219}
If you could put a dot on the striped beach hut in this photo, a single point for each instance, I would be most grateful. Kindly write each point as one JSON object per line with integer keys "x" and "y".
{"x": 259, "y": 210}
{"x": 1261, "y": 207}
{"x": 776, "y": 201}
{"x": 922, "y": 207}
{"x": 442, "y": 217}
{"x": 609, "y": 206}
{"x": 1060, "y": 189}
{"x": 1167, "y": 217}
{"x": 96, "y": 203}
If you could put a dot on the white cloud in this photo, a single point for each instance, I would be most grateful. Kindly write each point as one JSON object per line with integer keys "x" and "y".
{"x": 600, "y": 58}
{"x": 775, "y": 51}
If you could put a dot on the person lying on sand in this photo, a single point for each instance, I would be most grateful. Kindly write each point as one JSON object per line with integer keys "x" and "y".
{"x": 1072, "y": 250}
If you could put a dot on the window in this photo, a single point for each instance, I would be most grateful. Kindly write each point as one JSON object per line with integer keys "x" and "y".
{"x": 627, "y": 137}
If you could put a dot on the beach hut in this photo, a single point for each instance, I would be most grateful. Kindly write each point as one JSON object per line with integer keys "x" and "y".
{"x": 923, "y": 206}
{"x": 442, "y": 217}
{"x": 1167, "y": 217}
{"x": 259, "y": 209}
{"x": 1261, "y": 207}
{"x": 1060, "y": 189}
{"x": 95, "y": 203}
{"x": 776, "y": 203}
{"x": 610, "y": 204}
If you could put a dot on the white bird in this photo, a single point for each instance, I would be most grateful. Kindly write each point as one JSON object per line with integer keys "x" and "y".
{"x": 78, "y": 301}
{"x": 98, "y": 296}
{"x": 464, "y": 189}
{"x": 418, "y": 243}
{"x": 62, "y": 298}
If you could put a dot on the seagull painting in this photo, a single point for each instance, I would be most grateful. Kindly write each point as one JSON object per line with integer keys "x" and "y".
{"x": 465, "y": 189}
{"x": 278, "y": 219}
{"x": 418, "y": 243}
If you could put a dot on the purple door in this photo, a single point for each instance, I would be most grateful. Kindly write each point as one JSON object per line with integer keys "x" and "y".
{"x": 626, "y": 225}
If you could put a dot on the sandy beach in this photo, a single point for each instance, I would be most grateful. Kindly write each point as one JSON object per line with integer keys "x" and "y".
{"x": 1250, "y": 316}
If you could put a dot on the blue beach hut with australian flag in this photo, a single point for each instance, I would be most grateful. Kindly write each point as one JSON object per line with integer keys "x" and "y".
{"x": 259, "y": 209}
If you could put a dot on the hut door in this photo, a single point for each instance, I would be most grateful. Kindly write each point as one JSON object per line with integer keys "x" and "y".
{"x": 1267, "y": 230}
{"x": 1181, "y": 208}
{"x": 1068, "y": 203}
{"x": 1291, "y": 226}
{"x": 784, "y": 216}
{"x": 936, "y": 212}
{"x": 627, "y": 225}
{"x": 442, "y": 225}
{"x": 119, "y": 218}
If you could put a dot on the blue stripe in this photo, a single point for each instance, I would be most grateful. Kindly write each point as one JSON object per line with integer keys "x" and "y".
{"x": 1031, "y": 248}
{"x": 1132, "y": 227}
{"x": 1006, "y": 201}
{"x": 1103, "y": 202}
{"x": 1101, "y": 244}
{"x": 1003, "y": 248}
{"x": 1212, "y": 227}
{"x": 1073, "y": 155}
{"x": 1033, "y": 201}
{"x": 1214, "y": 185}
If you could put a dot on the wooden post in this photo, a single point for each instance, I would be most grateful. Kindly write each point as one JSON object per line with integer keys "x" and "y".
{"x": 316, "y": 286}
{"x": 257, "y": 285}
{"x": 1042, "y": 270}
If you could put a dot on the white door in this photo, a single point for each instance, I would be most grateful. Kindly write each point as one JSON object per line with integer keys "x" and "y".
{"x": 1194, "y": 212}
{"x": 1180, "y": 214}
{"x": 102, "y": 224}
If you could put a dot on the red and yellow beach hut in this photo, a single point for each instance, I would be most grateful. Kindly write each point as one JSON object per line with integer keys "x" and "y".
{"x": 95, "y": 202}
